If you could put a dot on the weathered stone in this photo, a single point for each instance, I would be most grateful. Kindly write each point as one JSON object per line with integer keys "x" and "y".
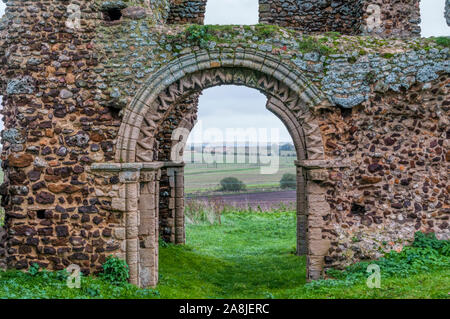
{"x": 134, "y": 13}
{"x": 45, "y": 198}
{"x": 65, "y": 94}
{"x": 118, "y": 98}
{"x": 20, "y": 160}
{"x": 21, "y": 85}
{"x": 370, "y": 179}
{"x": 62, "y": 231}
{"x": 447, "y": 12}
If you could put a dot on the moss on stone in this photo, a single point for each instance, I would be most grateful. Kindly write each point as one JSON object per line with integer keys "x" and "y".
{"x": 443, "y": 41}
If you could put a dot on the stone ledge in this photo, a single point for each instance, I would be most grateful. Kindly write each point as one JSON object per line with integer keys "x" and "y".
{"x": 321, "y": 164}
{"x": 121, "y": 167}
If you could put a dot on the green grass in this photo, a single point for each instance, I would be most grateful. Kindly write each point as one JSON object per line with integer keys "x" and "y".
{"x": 251, "y": 255}
{"x": 443, "y": 41}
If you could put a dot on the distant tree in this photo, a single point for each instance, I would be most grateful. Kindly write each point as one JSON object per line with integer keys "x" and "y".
{"x": 288, "y": 181}
{"x": 287, "y": 147}
{"x": 232, "y": 184}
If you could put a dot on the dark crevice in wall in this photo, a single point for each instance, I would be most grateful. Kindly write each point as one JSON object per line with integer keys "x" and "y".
{"x": 113, "y": 14}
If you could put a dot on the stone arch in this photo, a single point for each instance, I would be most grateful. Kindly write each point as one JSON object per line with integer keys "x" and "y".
{"x": 290, "y": 96}
{"x": 297, "y": 91}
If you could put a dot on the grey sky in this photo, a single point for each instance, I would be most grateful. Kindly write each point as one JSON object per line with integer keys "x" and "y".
{"x": 240, "y": 107}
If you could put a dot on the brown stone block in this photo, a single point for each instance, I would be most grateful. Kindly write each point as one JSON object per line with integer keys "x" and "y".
{"x": 20, "y": 160}
{"x": 368, "y": 180}
{"x": 147, "y": 257}
{"x": 314, "y": 267}
{"x": 319, "y": 247}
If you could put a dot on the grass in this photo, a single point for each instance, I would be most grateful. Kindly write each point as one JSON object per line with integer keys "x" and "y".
{"x": 443, "y": 41}
{"x": 251, "y": 255}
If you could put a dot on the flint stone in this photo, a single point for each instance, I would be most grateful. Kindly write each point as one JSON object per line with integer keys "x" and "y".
{"x": 65, "y": 94}
{"x": 45, "y": 198}
{"x": 21, "y": 85}
{"x": 12, "y": 136}
{"x": 134, "y": 13}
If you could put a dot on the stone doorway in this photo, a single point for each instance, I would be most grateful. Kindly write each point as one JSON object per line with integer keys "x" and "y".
{"x": 149, "y": 135}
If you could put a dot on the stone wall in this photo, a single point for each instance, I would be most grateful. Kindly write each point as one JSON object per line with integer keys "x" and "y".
{"x": 69, "y": 79}
{"x": 54, "y": 129}
{"x": 187, "y": 11}
{"x": 398, "y": 183}
{"x": 313, "y": 16}
{"x": 3, "y": 236}
{"x": 398, "y": 18}
{"x": 447, "y": 11}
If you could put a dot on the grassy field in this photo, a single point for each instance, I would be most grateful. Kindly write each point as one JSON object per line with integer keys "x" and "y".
{"x": 201, "y": 177}
{"x": 252, "y": 255}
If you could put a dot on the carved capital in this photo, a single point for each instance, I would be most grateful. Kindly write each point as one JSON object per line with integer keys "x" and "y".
{"x": 317, "y": 175}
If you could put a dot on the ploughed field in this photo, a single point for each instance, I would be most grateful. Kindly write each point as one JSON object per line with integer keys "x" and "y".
{"x": 264, "y": 201}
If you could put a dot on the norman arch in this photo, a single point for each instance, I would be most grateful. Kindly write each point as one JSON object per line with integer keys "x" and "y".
{"x": 155, "y": 193}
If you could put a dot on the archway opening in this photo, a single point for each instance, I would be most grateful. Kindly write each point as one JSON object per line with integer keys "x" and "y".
{"x": 433, "y": 22}
{"x": 165, "y": 116}
{"x": 241, "y": 12}
{"x": 250, "y": 222}
{"x": 233, "y": 132}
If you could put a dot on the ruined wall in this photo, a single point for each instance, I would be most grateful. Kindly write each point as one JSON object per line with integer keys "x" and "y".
{"x": 182, "y": 115}
{"x": 396, "y": 18}
{"x": 187, "y": 11}
{"x": 3, "y": 237}
{"x": 313, "y": 16}
{"x": 66, "y": 82}
{"x": 398, "y": 182}
{"x": 54, "y": 129}
{"x": 447, "y": 11}
{"x": 385, "y": 18}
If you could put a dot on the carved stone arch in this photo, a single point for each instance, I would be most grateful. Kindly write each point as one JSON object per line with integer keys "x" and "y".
{"x": 284, "y": 103}
{"x": 143, "y": 106}
{"x": 152, "y": 114}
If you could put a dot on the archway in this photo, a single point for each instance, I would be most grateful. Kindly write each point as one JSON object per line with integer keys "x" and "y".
{"x": 150, "y": 135}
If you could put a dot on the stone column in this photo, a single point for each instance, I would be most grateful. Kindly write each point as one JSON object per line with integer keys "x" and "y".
{"x": 138, "y": 201}
{"x": 302, "y": 217}
{"x": 175, "y": 172}
{"x": 148, "y": 229}
{"x": 316, "y": 208}
{"x": 447, "y": 12}
{"x": 180, "y": 231}
{"x": 129, "y": 177}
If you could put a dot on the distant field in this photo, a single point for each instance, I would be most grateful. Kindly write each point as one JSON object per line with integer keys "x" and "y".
{"x": 201, "y": 177}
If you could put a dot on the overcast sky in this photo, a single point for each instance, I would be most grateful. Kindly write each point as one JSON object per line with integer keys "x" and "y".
{"x": 239, "y": 107}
